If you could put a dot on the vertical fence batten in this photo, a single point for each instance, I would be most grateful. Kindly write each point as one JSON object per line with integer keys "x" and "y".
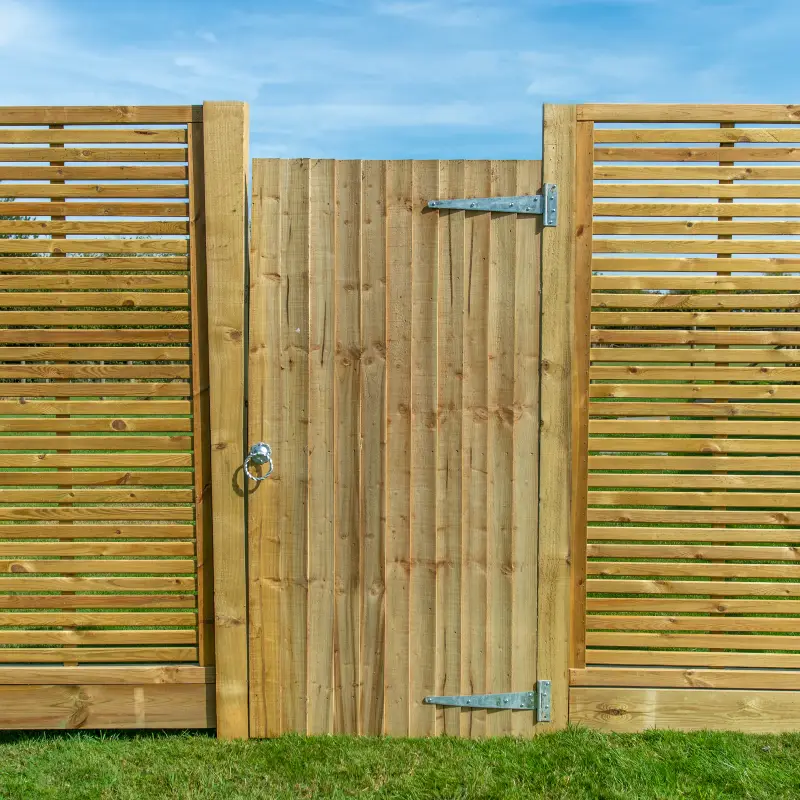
{"x": 225, "y": 146}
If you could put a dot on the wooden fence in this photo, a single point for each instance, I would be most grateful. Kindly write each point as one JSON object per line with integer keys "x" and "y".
{"x": 503, "y": 452}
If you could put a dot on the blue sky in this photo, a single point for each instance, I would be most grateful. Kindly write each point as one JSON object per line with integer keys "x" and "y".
{"x": 398, "y": 78}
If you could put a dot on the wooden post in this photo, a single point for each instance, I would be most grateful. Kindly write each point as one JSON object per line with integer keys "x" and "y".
{"x": 555, "y": 476}
{"x": 226, "y": 161}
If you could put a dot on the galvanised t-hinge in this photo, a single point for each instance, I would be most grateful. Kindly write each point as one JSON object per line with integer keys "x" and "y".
{"x": 538, "y": 701}
{"x": 544, "y": 204}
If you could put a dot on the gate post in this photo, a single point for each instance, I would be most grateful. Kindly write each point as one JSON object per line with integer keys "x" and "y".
{"x": 556, "y": 446}
{"x": 225, "y": 135}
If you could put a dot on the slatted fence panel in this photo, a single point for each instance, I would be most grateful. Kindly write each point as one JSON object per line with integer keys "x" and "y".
{"x": 394, "y": 369}
{"x": 694, "y": 420}
{"x": 104, "y": 540}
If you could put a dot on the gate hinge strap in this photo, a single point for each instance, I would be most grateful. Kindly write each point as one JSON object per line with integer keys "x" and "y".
{"x": 544, "y": 204}
{"x": 538, "y": 701}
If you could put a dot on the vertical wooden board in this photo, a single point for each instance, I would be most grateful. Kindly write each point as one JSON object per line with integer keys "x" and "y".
{"x": 448, "y": 469}
{"x": 373, "y": 444}
{"x": 584, "y": 164}
{"x": 347, "y": 337}
{"x": 294, "y": 448}
{"x": 525, "y": 477}
{"x": 555, "y": 459}
{"x": 225, "y": 146}
{"x": 321, "y": 538}
{"x": 201, "y": 424}
{"x": 266, "y": 423}
{"x": 500, "y": 445}
{"x": 425, "y": 243}
{"x": 398, "y": 444}
{"x": 477, "y": 182}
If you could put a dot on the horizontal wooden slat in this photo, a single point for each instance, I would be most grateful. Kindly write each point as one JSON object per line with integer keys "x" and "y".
{"x": 726, "y": 391}
{"x": 607, "y": 622}
{"x": 678, "y": 113}
{"x": 121, "y": 299}
{"x": 710, "y": 301}
{"x": 99, "y": 115}
{"x": 27, "y": 601}
{"x": 692, "y": 481}
{"x": 35, "y": 637}
{"x": 39, "y": 583}
{"x": 665, "y": 658}
{"x": 683, "y": 319}
{"x": 30, "y": 513}
{"x": 109, "y": 565}
{"x": 694, "y": 551}
{"x": 92, "y": 676}
{"x": 27, "y": 549}
{"x": 695, "y": 427}
{"x": 93, "y": 154}
{"x": 42, "y": 371}
{"x": 694, "y": 516}
{"x": 694, "y": 209}
{"x": 689, "y": 587}
{"x": 115, "y": 283}
{"x": 666, "y": 264}
{"x": 626, "y": 172}
{"x": 150, "y": 407}
{"x": 628, "y": 409}
{"x": 120, "y": 442}
{"x": 696, "y": 678}
{"x": 95, "y": 209}
{"x": 665, "y": 639}
{"x": 698, "y": 283}
{"x": 98, "y": 318}
{"x": 680, "y": 154}
{"x": 109, "y": 245}
{"x": 93, "y": 136}
{"x": 779, "y": 191}
{"x": 656, "y": 227}
{"x": 105, "y": 336}
{"x": 94, "y": 173}
{"x": 101, "y": 228}
{"x": 87, "y": 191}
{"x": 690, "y": 135}
{"x": 695, "y": 337}
{"x": 111, "y": 459}
{"x": 699, "y": 499}
{"x": 686, "y": 373}
{"x": 673, "y": 570}
{"x": 132, "y": 619}
{"x": 694, "y": 355}
{"x": 745, "y": 246}
{"x": 39, "y": 264}
{"x": 95, "y": 479}
{"x": 92, "y": 389}
{"x": 710, "y": 446}
{"x": 122, "y": 494}
{"x": 700, "y": 463}
{"x": 124, "y": 655}
{"x": 89, "y": 424}
{"x": 616, "y": 710}
{"x": 53, "y": 531}
{"x": 676, "y": 605}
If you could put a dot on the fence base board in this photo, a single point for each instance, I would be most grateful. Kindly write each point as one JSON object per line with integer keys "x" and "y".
{"x": 85, "y": 706}
{"x": 619, "y": 710}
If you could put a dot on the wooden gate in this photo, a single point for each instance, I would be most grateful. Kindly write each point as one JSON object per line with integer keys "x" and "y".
{"x": 105, "y": 600}
{"x": 393, "y": 367}
{"x": 685, "y": 504}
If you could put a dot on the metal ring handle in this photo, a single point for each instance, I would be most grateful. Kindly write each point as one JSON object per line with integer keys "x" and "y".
{"x": 260, "y": 454}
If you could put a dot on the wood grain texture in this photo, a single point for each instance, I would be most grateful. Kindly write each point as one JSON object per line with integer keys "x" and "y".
{"x": 225, "y": 146}
{"x": 558, "y": 257}
{"x": 631, "y": 710}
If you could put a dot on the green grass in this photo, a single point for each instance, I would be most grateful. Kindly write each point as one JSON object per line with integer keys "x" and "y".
{"x": 574, "y": 764}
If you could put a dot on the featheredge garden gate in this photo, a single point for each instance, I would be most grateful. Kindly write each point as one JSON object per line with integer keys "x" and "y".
{"x": 538, "y": 448}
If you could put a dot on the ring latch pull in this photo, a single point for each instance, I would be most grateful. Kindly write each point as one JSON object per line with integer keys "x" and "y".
{"x": 260, "y": 453}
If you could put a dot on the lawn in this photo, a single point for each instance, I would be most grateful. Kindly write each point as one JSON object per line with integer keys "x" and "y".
{"x": 573, "y": 764}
